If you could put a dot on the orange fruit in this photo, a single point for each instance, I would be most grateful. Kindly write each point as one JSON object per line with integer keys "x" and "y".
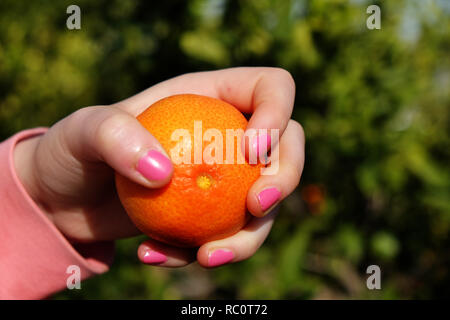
{"x": 203, "y": 201}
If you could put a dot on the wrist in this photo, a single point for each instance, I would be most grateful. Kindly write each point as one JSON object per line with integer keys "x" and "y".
{"x": 24, "y": 163}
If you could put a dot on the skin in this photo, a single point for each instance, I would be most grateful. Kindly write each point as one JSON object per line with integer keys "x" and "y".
{"x": 69, "y": 170}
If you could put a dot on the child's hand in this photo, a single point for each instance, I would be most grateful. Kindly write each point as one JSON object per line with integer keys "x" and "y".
{"x": 69, "y": 171}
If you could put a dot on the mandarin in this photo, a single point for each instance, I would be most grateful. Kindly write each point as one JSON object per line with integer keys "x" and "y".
{"x": 203, "y": 201}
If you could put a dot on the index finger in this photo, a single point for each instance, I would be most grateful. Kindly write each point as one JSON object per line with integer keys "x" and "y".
{"x": 267, "y": 93}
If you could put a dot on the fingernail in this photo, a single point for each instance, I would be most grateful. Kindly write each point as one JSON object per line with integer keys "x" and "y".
{"x": 268, "y": 197}
{"x": 153, "y": 257}
{"x": 261, "y": 144}
{"x": 219, "y": 257}
{"x": 154, "y": 165}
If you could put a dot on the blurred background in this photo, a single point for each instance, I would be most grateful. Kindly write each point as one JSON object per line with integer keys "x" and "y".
{"x": 374, "y": 105}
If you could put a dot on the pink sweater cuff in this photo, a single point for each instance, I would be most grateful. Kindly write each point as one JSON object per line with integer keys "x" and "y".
{"x": 34, "y": 255}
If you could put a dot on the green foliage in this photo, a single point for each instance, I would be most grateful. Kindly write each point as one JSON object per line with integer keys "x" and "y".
{"x": 384, "y": 245}
{"x": 374, "y": 105}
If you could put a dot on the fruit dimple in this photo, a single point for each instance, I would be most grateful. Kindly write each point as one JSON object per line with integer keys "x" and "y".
{"x": 204, "y": 181}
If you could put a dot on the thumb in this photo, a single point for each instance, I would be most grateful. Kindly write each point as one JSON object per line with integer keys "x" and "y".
{"x": 117, "y": 138}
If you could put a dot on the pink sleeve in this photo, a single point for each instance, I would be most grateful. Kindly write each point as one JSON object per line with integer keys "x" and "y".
{"x": 34, "y": 255}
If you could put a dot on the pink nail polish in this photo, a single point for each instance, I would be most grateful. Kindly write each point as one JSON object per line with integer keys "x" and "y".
{"x": 261, "y": 144}
{"x": 154, "y": 165}
{"x": 153, "y": 257}
{"x": 268, "y": 197}
{"x": 219, "y": 257}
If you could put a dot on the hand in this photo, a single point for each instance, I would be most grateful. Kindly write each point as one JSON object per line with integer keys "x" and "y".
{"x": 69, "y": 171}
